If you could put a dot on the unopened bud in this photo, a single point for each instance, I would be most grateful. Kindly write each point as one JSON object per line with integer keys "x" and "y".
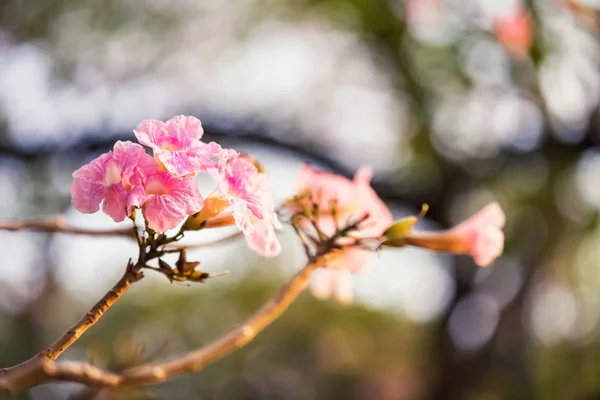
{"x": 213, "y": 206}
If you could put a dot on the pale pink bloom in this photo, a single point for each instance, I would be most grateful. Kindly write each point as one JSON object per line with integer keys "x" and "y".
{"x": 176, "y": 144}
{"x": 166, "y": 199}
{"x": 333, "y": 282}
{"x": 110, "y": 179}
{"x": 515, "y": 32}
{"x": 480, "y": 236}
{"x": 354, "y": 198}
{"x": 244, "y": 189}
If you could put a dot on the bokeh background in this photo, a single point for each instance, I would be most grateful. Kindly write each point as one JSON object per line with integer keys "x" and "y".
{"x": 452, "y": 102}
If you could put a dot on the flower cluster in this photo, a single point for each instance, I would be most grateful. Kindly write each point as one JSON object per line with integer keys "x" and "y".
{"x": 338, "y": 198}
{"x": 163, "y": 185}
{"x": 334, "y": 197}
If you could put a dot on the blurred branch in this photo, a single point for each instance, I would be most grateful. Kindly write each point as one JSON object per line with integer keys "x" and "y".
{"x": 218, "y": 242}
{"x": 43, "y": 369}
{"x": 39, "y": 370}
{"x": 58, "y": 224}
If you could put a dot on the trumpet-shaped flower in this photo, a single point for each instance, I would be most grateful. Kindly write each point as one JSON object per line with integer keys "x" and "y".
{"x": 176, "y": 144}
{"x": 109, "y": 179}
{"x": 244, "y": 189}
{"x": 480, "y": 236}
{"x": 166, "y": 199}
{"x": 350, "y": 199}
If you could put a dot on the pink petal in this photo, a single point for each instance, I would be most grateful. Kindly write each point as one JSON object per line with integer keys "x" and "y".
{"x": 177, "y": 134}
{"x": 161, "y": 215}
{"x": 203, "y": 155}
{"x": 325, "y": 187}
{"x": 240, "y": 184}
{"x": 357, "y": 260}
{"x": 86, "y": 195}
{"x": 262, "y": 239}
{"x": 321, "y": 285}
{"x": 176, "y": 162}
{"x": 369, "y": 202}
{"x": 136, "y": 198}
{"x": 181, "y": 197}
{"x": 186, "y": 195}
{"x": 343, "y": 291}
{"x": 483, "y": 233}
{"x": 187, "y": 130}
{"x": 488, "y": 246}
{"x": 133, "y": 161}
{"x": 363, "y": 175}
{"x": 198, "y": 158}
{"x": 148, "y": 133}
{"x": 87, "y": 190}
{"x": 114, "y": 204}
{"x": 354, "y": 198}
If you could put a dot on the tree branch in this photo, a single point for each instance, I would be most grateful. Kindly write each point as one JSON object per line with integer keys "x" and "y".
{"x": 40, "y": 361}
{"x": 42, "y": 369}
{"x": 58, "y": 224}
{"x": 235, "y": 339}
{"x": 91, "y": 317}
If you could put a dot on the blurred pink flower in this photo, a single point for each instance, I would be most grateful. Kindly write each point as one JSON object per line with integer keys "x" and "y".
{"x": 515, "y": 32}
{"x": 333, "y": 282}
{"x": 240, "y": 184}
{"x": 166, "y": 199}
{"x": 480, "y": 236}
{"x": 110, "y": 179}
{"x": 353, "y": 199}
{"x": 176, "y": 144}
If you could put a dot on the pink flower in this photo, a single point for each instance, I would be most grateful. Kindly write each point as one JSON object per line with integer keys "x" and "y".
{"x": 166, "y": 199}
{"x": 480, "y": 236}
{"x": 176, "y": 144}
{"x": 354, "y": 198}
{"x": 244, "y": 189}
{"x": 109, "y": 179}
{"x": 515, "y": 32}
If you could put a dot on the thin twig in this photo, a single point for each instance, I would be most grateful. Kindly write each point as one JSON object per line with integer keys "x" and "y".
{"x": 305, "y": 244}
{"x": 193, "y": 246}
{"x": 58, "y": 224}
